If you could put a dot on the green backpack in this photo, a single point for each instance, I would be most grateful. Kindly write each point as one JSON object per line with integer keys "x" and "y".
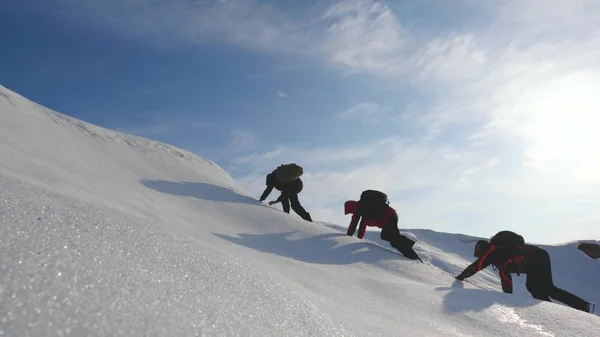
{"x": 288, "y": 172}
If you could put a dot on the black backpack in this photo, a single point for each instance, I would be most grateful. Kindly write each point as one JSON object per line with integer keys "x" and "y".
{"x": 507, "y": 238}
{"x": 372, "y": 203}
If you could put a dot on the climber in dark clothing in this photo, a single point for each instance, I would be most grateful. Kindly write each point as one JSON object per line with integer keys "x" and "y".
{"x": 386, "y": 219}
{"x": 523, "y": 259}
{"x": 289, "y": 188}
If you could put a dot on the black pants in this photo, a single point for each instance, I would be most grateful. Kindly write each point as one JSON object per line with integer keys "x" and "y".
{"x": 288, "y": 198}
{"x": 540, "y": 284}
{"x": 403, "y": 244}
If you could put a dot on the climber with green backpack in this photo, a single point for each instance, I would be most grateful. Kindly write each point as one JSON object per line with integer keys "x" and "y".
{"x": 286, "y": 179}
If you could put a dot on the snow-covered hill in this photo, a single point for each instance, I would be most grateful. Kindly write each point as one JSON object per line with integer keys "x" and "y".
{"x": 104, "y": 233}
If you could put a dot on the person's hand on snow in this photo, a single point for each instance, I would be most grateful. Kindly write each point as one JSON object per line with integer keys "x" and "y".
{"x": 273, "y": 202}
{"x": 459, "y": 277}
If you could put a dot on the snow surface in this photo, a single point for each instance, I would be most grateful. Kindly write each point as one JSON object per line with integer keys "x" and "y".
{"x": 108, "y": 234}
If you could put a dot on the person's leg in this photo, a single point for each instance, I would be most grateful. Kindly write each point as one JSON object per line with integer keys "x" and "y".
{"x": 298, "y": 208}
{"x": 285, "y": 202}
{"x": 539, "y": 277}
{"x": 541, "y": 286}
{"x": 570, "y": 299}
{"x": 388, "y": 232}
{"x": 391, "y": 234}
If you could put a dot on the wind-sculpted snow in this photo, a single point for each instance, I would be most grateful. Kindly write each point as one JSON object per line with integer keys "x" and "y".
{"x": 71, "y": 268}
{"x": 107, "y": 234}
{"x": 73, "y": 157}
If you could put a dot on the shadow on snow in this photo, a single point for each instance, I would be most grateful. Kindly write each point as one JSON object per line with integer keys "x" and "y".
{"x": 198, "y": 190}
{"x": 319, "y": 249}
{"x": 324, "y": 249}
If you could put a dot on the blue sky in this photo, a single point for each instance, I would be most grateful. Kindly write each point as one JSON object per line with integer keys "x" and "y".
{"x": 473, "y": 116}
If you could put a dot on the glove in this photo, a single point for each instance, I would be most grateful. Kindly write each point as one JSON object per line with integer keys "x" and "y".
{"x": 459, "y": 277}
{"x": 273, "y": 202}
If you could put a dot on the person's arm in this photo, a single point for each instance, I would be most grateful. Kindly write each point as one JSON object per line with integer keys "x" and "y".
{"x": 478, "y": 265}
{"x": 351, "y": 207}
{"x": 353, "y": 224}
{"x": 506, "y": 281}
{"x": 362, "y": 229}
{"x": 268, "y": 189}
{"x": 474, "y": 268}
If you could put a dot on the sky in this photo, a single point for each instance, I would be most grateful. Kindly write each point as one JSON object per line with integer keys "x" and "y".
{"x": 472, "y": 116}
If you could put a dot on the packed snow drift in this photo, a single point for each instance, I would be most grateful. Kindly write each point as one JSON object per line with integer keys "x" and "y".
{"x": 108, "y": 234}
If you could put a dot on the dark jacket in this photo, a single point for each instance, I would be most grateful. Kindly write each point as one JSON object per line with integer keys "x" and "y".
{"x": 506, "y": 259}
{"x": 294, "y": 187}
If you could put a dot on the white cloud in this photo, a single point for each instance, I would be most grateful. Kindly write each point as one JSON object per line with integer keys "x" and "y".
{"x": 432, "y": 185}
{"x": 312, "y": 157}
{"x": 550, "y": 20}
{"x": 529, "y": 71}
{"x": 580, "y": 227}
{"x": 521, "y": 83}
{"x": 357, "y": 36}
{"x": 450, "y": 58}
{"x": 542, "y": 85}
{"x": 467, "y": 175}
{"x": 365, "y": 111}
{"x": 282, "y": 94}
{"x": 335, "y": 174}
{"x": 246, "y": 23}
{"x": 366, "y": 36}
{"x": 242, "y": 140}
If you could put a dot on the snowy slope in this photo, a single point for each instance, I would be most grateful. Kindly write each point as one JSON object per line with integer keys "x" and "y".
{"x": 103, "y": 233}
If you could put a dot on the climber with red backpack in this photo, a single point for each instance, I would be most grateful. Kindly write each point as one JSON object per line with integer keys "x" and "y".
{"x": 286, "y": 179}
{"x": 508, "y": 252}
{"x": 373, "y": 210}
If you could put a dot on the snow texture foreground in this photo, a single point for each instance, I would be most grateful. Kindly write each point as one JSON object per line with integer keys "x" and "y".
{"x": 71, "y": 268}
{"x": 107, "y": 234}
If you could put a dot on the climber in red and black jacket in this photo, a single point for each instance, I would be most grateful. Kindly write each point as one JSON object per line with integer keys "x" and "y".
{"x": 501, "y": 258}
{"x": 384, "y": 217}
{"x": 523, "y": 259}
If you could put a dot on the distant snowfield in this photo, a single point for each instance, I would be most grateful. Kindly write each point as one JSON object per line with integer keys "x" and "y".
{"x": 107, "y": 234}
